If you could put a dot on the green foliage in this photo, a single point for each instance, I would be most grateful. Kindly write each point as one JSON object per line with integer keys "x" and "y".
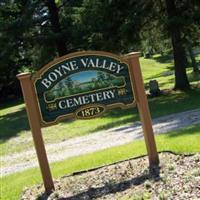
{"x": 118, "y": 34}
{"x": 12, "y": 55}
{"x": 27, "y": 39}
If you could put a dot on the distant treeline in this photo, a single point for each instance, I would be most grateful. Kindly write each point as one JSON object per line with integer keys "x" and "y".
{"x": 32, "y": 33}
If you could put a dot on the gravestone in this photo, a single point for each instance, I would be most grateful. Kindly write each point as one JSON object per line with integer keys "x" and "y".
{"x": 154, "y": 89}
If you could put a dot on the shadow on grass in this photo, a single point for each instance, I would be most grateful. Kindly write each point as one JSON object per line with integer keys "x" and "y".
{"x": 159, "y": 106}
{"x": 12, "y": 124}
{"x": 161, "y": 84}
{"x": 10, "y": 104}
{"x": 111, "y": 188}
{"x": 193, "y": 77}
{"x": 174, "y": 102}
{"x": 159, "y": 75}
{"x": 119, "y": 117}
{"x": 186, "y": 131}
{"x": 164, "y": 58}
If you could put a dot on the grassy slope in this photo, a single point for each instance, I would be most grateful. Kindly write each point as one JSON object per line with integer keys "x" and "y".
{"x": 182, "y": 141}
{"x": 15, "y": 135}
{"x": 158, "y": 66}
{"x": 13, "y": 122}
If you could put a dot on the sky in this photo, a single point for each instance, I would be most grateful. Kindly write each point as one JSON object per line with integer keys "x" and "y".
{"x": 84, "y": 76}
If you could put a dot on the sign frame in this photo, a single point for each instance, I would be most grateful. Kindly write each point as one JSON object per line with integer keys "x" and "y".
{"x": 40, "y": 72}
{"x": 34, "y": 117}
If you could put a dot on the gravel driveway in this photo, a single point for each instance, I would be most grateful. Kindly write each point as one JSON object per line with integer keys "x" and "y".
{"x": 98, "y": 141}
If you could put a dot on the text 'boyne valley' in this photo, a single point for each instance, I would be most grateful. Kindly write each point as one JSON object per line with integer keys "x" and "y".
{"x": 72, "y": 66}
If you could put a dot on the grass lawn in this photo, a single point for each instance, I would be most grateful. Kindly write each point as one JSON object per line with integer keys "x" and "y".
{"x": 182, "y": 141}
{"x": 161, "y": 68}
{"x": 15, "y": 135}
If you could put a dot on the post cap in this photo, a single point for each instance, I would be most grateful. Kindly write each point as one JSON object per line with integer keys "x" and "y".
{"x": 132, "y": 55}
{"x": 23, "y": 75}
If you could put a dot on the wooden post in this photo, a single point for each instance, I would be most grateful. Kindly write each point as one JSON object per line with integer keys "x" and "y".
{"x": 142, "y": 103}
{"x": 34, "y": 121}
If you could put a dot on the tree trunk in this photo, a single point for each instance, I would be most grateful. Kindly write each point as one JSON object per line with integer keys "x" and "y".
{"x": 56, "y": 27}
{"x": 192, "y": 57}
{"x": 180, "y": 60}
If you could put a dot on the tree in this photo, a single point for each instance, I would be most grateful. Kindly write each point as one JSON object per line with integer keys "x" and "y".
{"x": 180, "y": 23}
{"x": 101, "y": 76}
{"x": 69, "y": 83}
{"x": 108, "y": 25}
{"x": 192, "y": 56}
{"x": 180, "y": 60}
{"x": 56, "y": 27}
{"x": 35, "y": 32}
{"x": 27, "y": 39}
{"x": 174, "y": 27}
{"x": 190, "y": 13}
{"x": 12, "y": 48}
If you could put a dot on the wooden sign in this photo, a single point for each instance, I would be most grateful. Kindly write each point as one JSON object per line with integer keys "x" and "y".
{"x": 84, "y": 85}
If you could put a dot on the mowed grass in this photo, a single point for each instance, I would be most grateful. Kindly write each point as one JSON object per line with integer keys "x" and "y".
{"x": 161, "y": 68}
{"x": 182, "y": 141}
{"x": 15, "y": 134}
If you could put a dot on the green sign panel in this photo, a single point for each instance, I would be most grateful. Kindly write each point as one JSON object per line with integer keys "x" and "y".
{"x": 83, "y": 85}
